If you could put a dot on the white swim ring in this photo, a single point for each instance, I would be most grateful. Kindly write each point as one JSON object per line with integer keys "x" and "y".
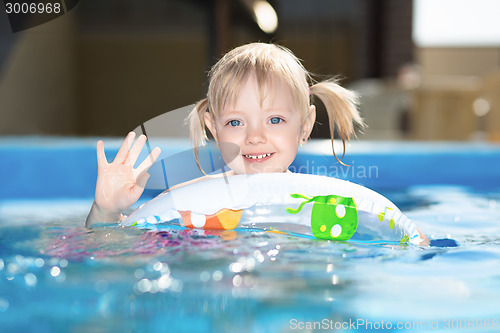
{"x": 318, "y": 206}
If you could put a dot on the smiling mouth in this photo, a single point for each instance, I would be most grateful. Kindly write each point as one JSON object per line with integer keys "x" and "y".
{"x": 257, "y": 157}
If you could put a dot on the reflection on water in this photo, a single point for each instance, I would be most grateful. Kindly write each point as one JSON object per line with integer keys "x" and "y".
{"x": 110, "y": 278}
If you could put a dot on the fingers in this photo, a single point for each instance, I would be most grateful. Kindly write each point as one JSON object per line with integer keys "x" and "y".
{"x": 134, "y": 152}
{"x": 130, "y": 155}
{"x": 101, "y": 156}
{"x": 148, "y": 162}
{"x": 123, "y": 152}
{"x": 425, "y": 240}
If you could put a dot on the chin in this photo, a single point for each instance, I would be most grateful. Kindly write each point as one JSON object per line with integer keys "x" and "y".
{"x": 263, "y": 169}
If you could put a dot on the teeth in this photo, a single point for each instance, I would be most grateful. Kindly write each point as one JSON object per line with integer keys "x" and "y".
{"x": 255, "y": 157}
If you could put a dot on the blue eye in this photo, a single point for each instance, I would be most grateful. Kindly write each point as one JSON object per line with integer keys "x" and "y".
{"x": 234, "y": 123}
{"x": 275, "y": 120}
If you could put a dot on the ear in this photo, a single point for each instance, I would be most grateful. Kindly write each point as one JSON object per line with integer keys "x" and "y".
{"x": 308, "y": 124}
{"x": 210, "y": 123}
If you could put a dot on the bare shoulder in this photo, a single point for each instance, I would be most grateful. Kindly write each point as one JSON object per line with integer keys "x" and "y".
{"x": 200, "y": 179}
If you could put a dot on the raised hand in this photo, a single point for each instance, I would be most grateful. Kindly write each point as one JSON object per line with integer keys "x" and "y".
{"x": 119, "y": 185}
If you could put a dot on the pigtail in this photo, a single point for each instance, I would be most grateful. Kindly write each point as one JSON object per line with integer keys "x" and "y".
{"x": 341, "y": 106}
{"x": 197, "y": 128}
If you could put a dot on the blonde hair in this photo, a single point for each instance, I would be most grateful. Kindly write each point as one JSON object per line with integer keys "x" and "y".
{"x": 273, "y": 66}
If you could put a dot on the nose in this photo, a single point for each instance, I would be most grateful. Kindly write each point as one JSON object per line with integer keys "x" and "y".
{"x": 256, "y": 134}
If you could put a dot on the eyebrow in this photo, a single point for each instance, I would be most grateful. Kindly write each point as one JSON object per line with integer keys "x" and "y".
{"x": 230, "y": 113}
{"x": 275, "y": 109}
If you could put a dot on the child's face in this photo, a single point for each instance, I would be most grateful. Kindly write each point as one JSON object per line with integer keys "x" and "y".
{"x": 268, "y": 135}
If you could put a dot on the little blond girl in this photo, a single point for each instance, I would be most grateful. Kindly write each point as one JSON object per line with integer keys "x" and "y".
{"x": 258, "y": 110}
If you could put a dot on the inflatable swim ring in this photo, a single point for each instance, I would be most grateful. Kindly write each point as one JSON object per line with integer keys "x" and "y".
{"x": 318, "y": 206}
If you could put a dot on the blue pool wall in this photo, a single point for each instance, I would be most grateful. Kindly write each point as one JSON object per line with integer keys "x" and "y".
{"x": 63, "y": 167}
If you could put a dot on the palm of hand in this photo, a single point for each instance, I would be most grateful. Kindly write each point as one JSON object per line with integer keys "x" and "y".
{"x": 119, "y": 185}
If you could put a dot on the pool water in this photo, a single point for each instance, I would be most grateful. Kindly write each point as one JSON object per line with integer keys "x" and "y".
{"x": 57, "y": 276}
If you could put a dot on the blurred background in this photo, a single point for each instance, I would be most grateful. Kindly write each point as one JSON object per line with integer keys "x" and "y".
{"x": 426, "y": 69}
